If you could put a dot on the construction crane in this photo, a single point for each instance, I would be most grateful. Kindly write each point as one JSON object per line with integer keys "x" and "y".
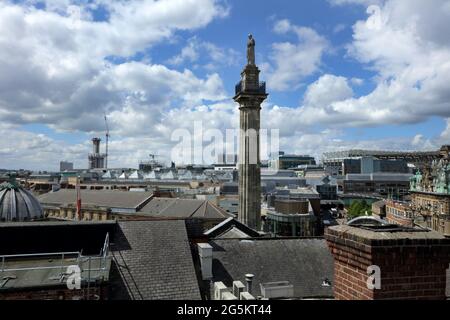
{"x": 107, "y": 141}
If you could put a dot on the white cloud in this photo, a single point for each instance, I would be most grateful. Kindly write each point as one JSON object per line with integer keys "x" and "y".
{"x": 419, "y": 142}
{"x": 357, "y": 2}
{"x": 411, "y": 57}
{"x": 213, "y": 55}
{"x": 445, "y": 136}
{"x": 326, "y": 90}
{"x": 35, "y": 151}
{"x": 28, "y": 150}
{"x": 188, "y": 53}
{"x": 55, "y": 72}
{"x": 292, "y": 62}
{"x": 357, "y": 81}
{"x": 282, "y": 26}
{"x": 339, "y": 28}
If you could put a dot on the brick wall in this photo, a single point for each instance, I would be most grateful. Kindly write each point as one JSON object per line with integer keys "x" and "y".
{"x": 402, "y": 221}
{"x": 413, "y": 265}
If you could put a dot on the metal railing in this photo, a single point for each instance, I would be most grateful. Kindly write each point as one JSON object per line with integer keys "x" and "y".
{"x": 261, "y": 88}
{"x": 63, "y": 256}
{"x": 81, "y": 260}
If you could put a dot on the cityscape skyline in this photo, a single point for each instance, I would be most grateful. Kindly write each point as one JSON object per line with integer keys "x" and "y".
{"x": 150, "y": 153}
{"x": 331, "y": 89}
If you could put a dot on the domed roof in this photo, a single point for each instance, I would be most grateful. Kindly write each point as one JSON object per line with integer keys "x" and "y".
{"x": 18, "y": 204}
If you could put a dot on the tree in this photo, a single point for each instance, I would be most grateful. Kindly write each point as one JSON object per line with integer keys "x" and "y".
{"x": 358, "y": 209}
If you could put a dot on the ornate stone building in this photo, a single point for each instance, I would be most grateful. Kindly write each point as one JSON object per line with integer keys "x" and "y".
{"x": 399, "y": 213}
{"x": 430, "y": 190}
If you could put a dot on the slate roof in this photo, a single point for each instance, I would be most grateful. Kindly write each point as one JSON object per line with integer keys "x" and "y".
{"x": 182, "y": 208}
{"x": 231, "y": 229}
{"x": 305, "y": 263}
{"x": 154, "y": 261}
{"x": 110, "y": 199}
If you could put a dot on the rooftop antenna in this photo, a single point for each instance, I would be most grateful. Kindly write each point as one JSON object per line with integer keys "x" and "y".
{"x": 107, "y": 141}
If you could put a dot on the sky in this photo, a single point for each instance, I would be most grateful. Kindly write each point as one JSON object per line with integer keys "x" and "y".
{"x": 341, "y": 74}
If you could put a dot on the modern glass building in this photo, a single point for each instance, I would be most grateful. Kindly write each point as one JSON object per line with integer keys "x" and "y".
{"x": 291, "y": 218}
{"x": 282, "y": 161}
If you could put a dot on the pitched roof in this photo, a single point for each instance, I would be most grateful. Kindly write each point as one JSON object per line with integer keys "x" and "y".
{"x": 135, "y": 175}
{"x": 108, "y": 175}
{"x": 155, "y": 261}
{"x": 109, "y": 199}
{"x": 305, "y": 263}
{"x": 182, "y": 208}
{"x": 168, "y": 176}
{"x": 232, "y": 229}
{"x": 123, "y": 176}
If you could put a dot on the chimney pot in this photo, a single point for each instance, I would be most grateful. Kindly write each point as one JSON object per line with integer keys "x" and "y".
{"x": 249, "y": 279}
{"x": 205, "y": 252}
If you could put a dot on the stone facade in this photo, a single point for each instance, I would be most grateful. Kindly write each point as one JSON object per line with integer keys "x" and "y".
{"x": 379, "y": 209}
{"x": 430, "y": 193}
{"x": 399, "y": 213}
{"x": 430, "y": 189}
{"x": 434, "y": 209}
{"x": 250, "y": 93}
{"x": 88, "y": 213}
{"x": 433, "y": 179}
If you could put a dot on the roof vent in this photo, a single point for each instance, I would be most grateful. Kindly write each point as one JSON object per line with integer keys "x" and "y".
{"x": 277, "y": 290}
{"x": 249, "y": 279}
{"x": 326, "y": 283}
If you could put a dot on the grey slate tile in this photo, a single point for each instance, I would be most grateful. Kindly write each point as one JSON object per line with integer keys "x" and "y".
{"x": 155, "y": 260}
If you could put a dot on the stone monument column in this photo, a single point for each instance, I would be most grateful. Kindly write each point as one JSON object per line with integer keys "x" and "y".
{"x": 250, "y": 93}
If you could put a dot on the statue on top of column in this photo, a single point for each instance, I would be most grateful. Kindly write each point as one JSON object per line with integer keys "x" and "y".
{"x": 251, "y": 50}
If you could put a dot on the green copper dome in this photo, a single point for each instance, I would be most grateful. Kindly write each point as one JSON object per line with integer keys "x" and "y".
{"x": 18, "y": 204}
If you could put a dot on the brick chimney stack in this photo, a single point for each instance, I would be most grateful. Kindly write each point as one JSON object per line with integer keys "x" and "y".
{"x": 413, "y": 264}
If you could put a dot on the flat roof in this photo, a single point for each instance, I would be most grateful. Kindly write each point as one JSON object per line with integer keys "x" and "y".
{"x": 304, "y": 190}
{"x": 379, "y": 153}
{"x": 49, "y": 271}
{"x": 54, "y": 223}
{"x": 100, "y": 198}
{"x": 367, "y": 235}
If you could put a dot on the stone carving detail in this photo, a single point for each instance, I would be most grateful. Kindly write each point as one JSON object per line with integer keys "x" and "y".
{"x": 435, "y": 179}
{"x": 447, "y": 170}
{"x": 251, "y": 51}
